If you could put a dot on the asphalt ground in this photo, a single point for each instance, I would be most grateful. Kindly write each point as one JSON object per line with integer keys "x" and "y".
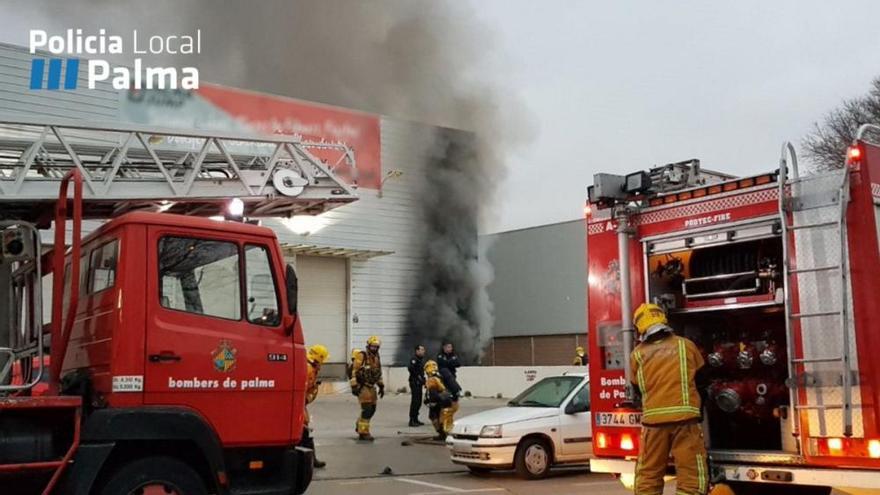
{"x": 417, "y": 465}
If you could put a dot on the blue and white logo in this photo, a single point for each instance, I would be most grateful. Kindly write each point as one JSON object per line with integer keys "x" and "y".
{"x": 63, "y": 73}
{"x": 59, "y": 69}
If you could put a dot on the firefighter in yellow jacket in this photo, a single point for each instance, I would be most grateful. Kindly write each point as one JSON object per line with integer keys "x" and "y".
{"x": 316, "y": 356}
{"x": 442, "y": 404}
{"x": 366, "y": 380}
{"x": 665, "y": 370}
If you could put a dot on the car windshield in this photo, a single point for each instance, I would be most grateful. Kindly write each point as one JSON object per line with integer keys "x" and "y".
{"x": 549, "y": 392}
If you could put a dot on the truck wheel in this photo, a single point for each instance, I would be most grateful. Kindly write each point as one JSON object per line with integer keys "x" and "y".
{"x": 533, "y": 459}
{"x": 159, "y": 475}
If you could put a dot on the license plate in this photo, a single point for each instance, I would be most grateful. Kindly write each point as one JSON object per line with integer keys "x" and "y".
{"x": 618, "y": 419}
{"x": 464, "y": 449}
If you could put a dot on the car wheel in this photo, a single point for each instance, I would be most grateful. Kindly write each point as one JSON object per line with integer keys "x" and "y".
{"x": 479, "y": 470}
{"x": 533, "y": 459}
{"x": 154, "y": 475}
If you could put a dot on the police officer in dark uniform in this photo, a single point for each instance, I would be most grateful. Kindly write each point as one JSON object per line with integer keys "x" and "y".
{"x": 416, "y": 369}
{"x": 447, "y": 359}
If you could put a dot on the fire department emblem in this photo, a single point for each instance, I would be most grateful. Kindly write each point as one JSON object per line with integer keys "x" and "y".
{"x": 224, "y": 357}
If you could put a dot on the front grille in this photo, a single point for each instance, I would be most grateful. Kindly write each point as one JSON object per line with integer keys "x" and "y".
{"x": 465, "y": 437}
{"x": 479, "y": 456}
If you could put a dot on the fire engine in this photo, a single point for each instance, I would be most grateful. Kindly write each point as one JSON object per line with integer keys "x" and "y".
{"x": 774, "y": 277}
{"x": 168, "y": 343}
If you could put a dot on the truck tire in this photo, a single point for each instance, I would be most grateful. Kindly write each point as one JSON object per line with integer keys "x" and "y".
{"x": 157, "y": 474}
{"x": 533, "y": 459}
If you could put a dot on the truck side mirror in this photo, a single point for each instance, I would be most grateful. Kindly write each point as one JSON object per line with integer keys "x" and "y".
{"x": 292, "y": 285}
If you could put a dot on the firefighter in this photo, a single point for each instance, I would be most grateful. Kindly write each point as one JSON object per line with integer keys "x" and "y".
{"x": 441, "y": 407}
{"x": 416, "y": 384}
{"x": 580, "y": 357}
{"x": 366, "y": 378}
{"x": 316, "y": 356}
{"x": 665, "y": 369}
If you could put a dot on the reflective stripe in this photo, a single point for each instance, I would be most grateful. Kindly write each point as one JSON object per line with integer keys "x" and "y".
{"x": 682, "y": 368}
{"x": 701, "y": 473}
{"x": 671, "y": 410}
{"x": 641, "y": 377}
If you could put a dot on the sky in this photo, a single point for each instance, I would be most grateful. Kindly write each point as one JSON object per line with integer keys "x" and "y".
{"x": 623, "y": 86}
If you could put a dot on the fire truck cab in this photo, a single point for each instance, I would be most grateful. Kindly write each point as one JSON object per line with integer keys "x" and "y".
{"x": 162, "y": 352}
{"x": 774, "y": 277}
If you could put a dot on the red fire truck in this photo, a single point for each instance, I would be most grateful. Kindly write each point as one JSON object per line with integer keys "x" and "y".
{"x": 177, "y": 360}
{"x": 774, "y": 277}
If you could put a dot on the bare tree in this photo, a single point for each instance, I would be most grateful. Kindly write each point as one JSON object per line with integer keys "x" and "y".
{"x": 826, "y": 145}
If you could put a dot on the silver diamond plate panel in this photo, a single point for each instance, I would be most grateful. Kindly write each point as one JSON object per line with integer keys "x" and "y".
{"x": 817, "y": 292}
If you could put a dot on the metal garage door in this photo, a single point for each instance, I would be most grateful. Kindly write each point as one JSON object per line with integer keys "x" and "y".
{"x": 323, "y": 303}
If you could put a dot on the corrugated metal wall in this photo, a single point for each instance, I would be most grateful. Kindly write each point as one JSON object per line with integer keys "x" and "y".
{"x": 99, "y": 104}
{"x": 382, "y": 287}
{"x": 540, "y": 283}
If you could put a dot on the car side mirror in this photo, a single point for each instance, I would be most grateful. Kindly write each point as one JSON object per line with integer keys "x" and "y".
{"x": 576, "y": 407}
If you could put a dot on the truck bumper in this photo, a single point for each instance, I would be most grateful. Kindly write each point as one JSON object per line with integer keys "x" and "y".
{"x": 843, "y": 479}
{"x": 303, "y": 465}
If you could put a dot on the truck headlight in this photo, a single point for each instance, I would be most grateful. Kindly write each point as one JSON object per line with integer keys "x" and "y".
{"x": 491, "y": 431}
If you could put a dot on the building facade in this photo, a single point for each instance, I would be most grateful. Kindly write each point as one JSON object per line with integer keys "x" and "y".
{"x": 538, "y": 294}
{"x": 358, "y": 264}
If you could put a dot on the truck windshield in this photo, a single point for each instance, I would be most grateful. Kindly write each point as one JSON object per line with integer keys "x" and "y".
{"x": 549, "y": 392}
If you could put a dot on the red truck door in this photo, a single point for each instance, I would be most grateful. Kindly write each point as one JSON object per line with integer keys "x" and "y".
{"x": 215, "y": 340}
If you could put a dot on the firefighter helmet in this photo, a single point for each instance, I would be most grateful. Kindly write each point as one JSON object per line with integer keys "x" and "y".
{"x": 431, "y": 367}
{"x": 318, "y": 353}
{"x": 373, "y": 341}
{"x": 579, "y": 350}
{"x": 649, "y": 319}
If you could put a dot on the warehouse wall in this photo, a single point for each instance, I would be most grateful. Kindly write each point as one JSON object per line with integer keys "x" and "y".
{"x": 540, "y": 280}
{"x": 99, "y": 104}
{"x": 381, "y": 288}
{"x": 539, "y": 294}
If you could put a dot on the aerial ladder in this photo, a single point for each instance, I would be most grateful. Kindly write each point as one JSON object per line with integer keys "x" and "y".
{"x": 103, "y": 171}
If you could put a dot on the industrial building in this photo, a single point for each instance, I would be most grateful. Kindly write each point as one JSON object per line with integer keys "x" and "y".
{"x": 538, "y": 294}
{"x": 357, "y": 264}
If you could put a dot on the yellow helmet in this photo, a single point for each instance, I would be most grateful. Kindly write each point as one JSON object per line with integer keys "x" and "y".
{"x": 579, "y": 350}
{"x": 647, "y": 317}
{"x": 373, "y": 341}
{"x": 431, "y": 367}
{"x": 318, "y": 353}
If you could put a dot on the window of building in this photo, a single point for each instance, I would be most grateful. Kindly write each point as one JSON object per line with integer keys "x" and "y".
{"x": 262, "y": 298}
{"x": 200, "y": 276}
{"x": 102, "y": 267}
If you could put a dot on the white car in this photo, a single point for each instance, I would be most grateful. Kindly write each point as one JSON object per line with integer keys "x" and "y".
{"x": 548, "y": 424}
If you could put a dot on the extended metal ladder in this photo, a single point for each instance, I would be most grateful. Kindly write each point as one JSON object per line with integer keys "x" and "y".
{"x": 817, "y": 204}
{"x": 127, "y": 167}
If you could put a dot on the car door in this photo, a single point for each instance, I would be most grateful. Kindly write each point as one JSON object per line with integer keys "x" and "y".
{"x": 575, "y": 424}
{"x": 215, "y": 341}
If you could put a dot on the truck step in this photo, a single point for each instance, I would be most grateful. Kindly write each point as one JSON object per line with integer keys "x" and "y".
{"x": 815, "y": 315}
{"x": 812, "y": 225}
{"x": 817, "y": 360}
{"x": 814, "y": 269}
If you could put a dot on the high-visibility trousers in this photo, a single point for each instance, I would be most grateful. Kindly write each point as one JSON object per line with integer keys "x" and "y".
{"x": 367, "y": 398}
{"x": 684, "y": 443}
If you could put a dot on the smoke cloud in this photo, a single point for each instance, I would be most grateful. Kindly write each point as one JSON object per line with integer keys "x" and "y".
{"x": 415, "y": 60}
